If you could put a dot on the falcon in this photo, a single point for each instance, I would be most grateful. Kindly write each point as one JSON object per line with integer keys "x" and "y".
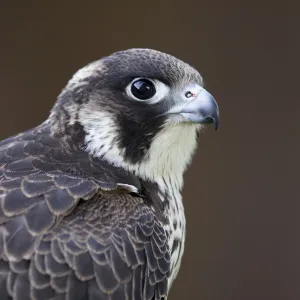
{"x": 91, "y": 204}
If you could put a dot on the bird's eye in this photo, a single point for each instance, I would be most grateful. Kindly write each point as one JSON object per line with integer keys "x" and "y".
{"x": 147, "y": 90}
{"x": 143, "y": 89}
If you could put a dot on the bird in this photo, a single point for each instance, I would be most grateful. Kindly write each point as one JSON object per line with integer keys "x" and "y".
{"x": 91, "y": 198}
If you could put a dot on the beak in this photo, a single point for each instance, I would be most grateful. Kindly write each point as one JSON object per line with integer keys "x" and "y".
{"x": 202, "y": 110}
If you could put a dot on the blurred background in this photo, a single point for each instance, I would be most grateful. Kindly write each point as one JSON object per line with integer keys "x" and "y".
{"x": 241, "y": 193}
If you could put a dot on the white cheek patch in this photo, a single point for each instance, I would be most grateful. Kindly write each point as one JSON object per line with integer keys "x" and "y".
{"x": 170, "y": 152}
{"x": 101, "y": 135}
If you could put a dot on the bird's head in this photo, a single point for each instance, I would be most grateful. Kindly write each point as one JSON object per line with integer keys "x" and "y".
{"x": 139, "y": 109}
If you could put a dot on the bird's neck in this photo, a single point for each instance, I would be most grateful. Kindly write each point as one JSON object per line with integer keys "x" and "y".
{"x": 169, "y": 155}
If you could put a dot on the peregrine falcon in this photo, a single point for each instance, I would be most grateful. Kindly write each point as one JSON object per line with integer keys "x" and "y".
{"x": 91, "y": 205}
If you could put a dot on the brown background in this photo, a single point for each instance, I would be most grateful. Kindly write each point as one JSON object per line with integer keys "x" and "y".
{"x": 241, "y": 193}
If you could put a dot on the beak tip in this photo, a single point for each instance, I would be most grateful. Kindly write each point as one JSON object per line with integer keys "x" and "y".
{"x": 211, "y": 120}
{"x": 216, "y": 121}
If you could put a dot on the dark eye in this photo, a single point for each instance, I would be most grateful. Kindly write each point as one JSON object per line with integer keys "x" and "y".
{"x": 143, "y": 89}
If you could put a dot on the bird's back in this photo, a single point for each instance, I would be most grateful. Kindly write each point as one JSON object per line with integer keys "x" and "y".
{"x": 71, "y": 228}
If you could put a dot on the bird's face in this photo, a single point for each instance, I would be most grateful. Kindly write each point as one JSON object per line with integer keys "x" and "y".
{"x": 139, "y": 109}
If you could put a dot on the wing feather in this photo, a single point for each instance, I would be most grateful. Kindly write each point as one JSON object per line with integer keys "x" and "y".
{"x": 62, "y": 236}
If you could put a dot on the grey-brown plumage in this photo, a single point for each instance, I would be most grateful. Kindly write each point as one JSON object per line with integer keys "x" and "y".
{"x": 75, "y": 223}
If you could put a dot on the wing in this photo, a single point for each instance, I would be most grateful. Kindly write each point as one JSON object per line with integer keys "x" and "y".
{"x": 70, "y": 230}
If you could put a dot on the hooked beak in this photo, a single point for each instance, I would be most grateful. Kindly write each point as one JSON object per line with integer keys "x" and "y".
{"x": 202, "y": 110}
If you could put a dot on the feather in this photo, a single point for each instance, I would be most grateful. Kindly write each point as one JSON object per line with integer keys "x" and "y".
{"x": 85, "y": 210}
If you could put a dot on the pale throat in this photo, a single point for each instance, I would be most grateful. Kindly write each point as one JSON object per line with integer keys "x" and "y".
{"x": 170, "y": 153}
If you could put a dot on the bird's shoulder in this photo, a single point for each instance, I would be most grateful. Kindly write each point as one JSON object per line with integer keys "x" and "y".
{"x": 41, "y": 183}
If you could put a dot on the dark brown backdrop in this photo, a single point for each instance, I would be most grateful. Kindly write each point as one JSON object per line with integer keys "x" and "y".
{"x": 241, "y": 194}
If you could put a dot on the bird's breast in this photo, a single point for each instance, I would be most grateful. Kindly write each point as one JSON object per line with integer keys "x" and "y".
{"x": 176, "y": 231}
